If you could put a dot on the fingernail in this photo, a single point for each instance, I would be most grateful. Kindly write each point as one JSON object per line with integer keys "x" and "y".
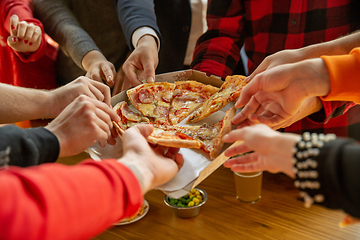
{"x": 26, "y": 41}
{"x": 13, "y": 39}
{"x": 30, "y": 43}
{"x": 12, "y": 27}
{"x": 151, "y": 79}
{"x": 19, "y": 39}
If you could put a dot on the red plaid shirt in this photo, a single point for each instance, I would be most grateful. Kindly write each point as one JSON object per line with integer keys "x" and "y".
{"x": 269, "y": 26}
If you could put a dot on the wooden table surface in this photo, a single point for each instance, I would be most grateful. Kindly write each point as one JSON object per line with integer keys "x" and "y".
{"x": 279, "y": 214}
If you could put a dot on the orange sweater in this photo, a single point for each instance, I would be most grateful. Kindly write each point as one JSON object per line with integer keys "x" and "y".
{"x": 344, "y": 71}
{"x": 55, "y": 201}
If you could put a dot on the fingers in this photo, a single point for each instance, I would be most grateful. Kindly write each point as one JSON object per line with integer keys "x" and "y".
{"x": 249, "y": 108}
{"x": 14, "y": 21}
{"x": 130, "y": 76}
{"x": 108, "y": 73}
{"x": 241, "y": 148}
{"x": 244, "y": 159}
{"x": 234, "y": 135}
{"x": 149, "y": 72}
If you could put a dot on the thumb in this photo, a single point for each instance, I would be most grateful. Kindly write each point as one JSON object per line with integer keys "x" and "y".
{"x": 12, "y": 42}
{"x": 136, "y": 134}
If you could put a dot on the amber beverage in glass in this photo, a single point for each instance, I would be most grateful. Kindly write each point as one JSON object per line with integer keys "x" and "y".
{"x": 248, "y": 186}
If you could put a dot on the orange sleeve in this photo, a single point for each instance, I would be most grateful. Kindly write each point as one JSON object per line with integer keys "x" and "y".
{"x": 344, "y": 72}
{"x": 55, "y": 201}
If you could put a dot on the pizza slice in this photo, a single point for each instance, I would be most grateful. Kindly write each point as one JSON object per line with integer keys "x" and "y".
{"x": 210, "y": 135}
{"x": 229, "y": 91}
{"x": 153, "y": 100}
{"x": 128, "y": 117}
{"x": 188, "y": 96}
{"x": 168, "y": 138}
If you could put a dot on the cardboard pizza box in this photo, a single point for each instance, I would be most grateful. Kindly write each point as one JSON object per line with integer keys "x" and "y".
{"x": 198, "y": 165}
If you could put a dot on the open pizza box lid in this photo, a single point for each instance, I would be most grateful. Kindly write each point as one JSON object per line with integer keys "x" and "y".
{"x": 197, "y": 165}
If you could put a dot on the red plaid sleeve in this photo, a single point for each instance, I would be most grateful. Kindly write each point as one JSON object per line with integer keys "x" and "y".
{"x": 218, "y": 50}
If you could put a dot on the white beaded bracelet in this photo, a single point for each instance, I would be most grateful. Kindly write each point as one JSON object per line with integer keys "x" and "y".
{"x": 305, "y": 163}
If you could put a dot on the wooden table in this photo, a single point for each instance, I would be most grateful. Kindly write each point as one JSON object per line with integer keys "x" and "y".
{"x": 279, "y": 214}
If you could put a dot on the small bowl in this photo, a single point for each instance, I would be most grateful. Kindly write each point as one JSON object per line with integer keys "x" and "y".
{"x": 187, "y": 212}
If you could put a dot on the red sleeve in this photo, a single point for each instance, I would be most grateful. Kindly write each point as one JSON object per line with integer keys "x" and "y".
{"x": 23, "y": 10}
{"x": 55, "y": 201}
{"x": 344, "y": 74}
{"x": 218, "y": 50}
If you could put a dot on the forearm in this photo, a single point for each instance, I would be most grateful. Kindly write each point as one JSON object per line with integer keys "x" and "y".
{"x": 63, "y": 27}
{"x": 27, "y": 147}
{"x": 338, "y": 46}
{"x": 134, "y": 14}
{"x": 54, "y": 198}
{"x": 333, "y": 167}
{"x": 19, "y": 104}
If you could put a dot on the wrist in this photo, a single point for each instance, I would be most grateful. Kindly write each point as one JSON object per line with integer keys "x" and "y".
{"x": 90, "y": 58}
{"x": 286, "y": 142}
{"x": 139, "y": 169}
{"x": 148, "y": 41}
{"x": 319, "y": 84}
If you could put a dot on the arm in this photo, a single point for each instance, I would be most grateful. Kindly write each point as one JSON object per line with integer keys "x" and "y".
{"x": 134, "y": 14}
{"x": 78, "y": 126}
{"x": 334, "y": 164}
{"x": 54, "y": 199}
{"x": 58, "y": 201}
{"x": 138, "y": 21}
{"x": 217, "y": 51}
{"x": 61, "y": 24}
{"x": 19, "y": 104}
{"x": 23, "y": 10}
{"x": 26, "y": 147}
{"x": 344, "y": 75}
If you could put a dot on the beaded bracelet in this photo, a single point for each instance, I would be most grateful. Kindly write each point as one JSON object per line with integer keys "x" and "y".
{"x": 305, "y": 162}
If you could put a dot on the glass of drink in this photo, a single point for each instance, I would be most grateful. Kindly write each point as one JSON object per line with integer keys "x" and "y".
{"x": 248, "y": 186}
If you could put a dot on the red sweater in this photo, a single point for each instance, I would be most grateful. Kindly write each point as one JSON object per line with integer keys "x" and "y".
{"x": 33, "y": 70}
{"x": 55, "y": 201}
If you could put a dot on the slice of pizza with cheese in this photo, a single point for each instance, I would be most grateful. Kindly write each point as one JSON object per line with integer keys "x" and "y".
{"x": 128, "y": 117}
{"x": 169, "y": 138}
{"x": 210, "y": 135}
{"x": 188, "y": 96}
{"x": 228, "y": 92}
{"x": 153, "y": 100}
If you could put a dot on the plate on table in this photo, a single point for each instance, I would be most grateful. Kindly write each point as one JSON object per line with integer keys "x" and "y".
{"x": 139, "y": 215}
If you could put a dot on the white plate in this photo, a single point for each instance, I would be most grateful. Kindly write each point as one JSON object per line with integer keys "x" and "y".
{"x": 137, "y": 218}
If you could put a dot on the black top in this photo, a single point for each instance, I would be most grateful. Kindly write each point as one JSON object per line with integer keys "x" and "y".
{"x": 26, "y": 147}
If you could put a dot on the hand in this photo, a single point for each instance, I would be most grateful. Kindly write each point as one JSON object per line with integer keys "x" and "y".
{"x": 279, "y": 58}
{"x": 98, "y": 67}
{"x": 152, "y": 167}
{"x": 61, "y": 97}
{"x": 24, "y": 37}
{"x": 82, "y": 123}
{"x": 277, "y": 95}
{"x": 273, "y": 150}
{"x": 141, "y": 64}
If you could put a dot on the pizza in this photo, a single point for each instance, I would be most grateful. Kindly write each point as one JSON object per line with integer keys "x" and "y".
{"x": 188, "y": 96}
{"x": 228, "y": 92}
{"x": 209, "y": 135}
{"x": 168, "y": 138}
{"x": 164, "y": 105}
{"x": 153, "y": 100}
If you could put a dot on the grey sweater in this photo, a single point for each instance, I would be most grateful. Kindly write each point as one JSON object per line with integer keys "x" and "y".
{"x": 80, "y": 26}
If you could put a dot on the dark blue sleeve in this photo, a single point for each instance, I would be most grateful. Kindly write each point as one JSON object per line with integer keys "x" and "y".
{"x": 134, "y": 14}
{"x": 26, "y": 147}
